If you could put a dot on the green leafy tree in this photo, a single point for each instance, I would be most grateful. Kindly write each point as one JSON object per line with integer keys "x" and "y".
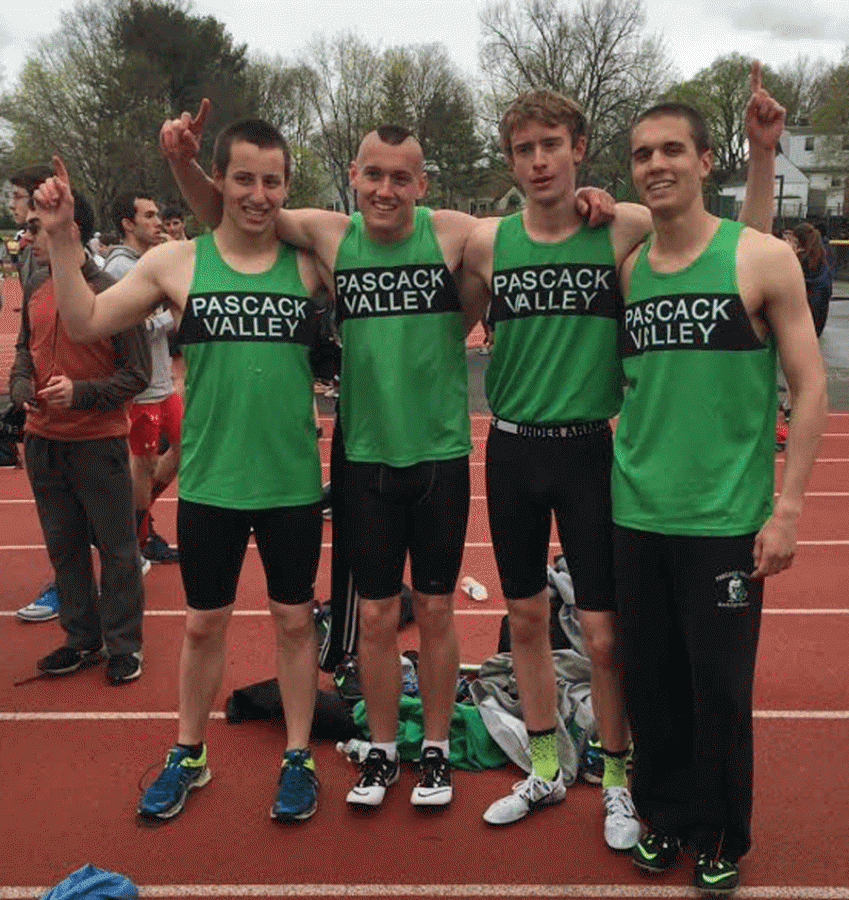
{"x": 596, "y": 52}
{"x": 99, "y": 88}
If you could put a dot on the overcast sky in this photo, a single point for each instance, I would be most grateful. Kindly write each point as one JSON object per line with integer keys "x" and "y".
{"x": 697, "y": 31}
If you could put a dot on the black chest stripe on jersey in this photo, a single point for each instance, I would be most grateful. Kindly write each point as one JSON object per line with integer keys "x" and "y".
{"x": 688, "y": 322}
{"x": 563, "y": 289}
{"x": 235, "y": 316}
{"x": 395, "y": 291}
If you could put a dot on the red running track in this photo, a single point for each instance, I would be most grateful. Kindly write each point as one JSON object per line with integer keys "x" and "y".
{"x": 75, "y": 750}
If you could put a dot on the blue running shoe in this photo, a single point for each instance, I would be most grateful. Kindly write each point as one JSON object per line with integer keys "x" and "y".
{"x": 43, "y": 608}
{"x": 591, "y": 766}
{"x": 167, "y": 795}
{"x": 297, "y": 787}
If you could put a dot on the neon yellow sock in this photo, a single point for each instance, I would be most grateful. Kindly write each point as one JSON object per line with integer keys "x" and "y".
{"x": 615, "y": 771}
{"x": 544, "y": 757}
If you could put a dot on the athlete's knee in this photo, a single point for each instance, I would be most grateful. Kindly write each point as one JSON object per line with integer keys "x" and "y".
{"x": 601, "y": 638}
{"x": 204, "y": 626}
{"x": 293, "y": 623}
{"x": 379, "y": 619}
{"x": 528, "y": 620}
{"x": 434, "y": 613}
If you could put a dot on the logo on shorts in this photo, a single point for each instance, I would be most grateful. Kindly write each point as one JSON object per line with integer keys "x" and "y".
{"x": 731, "y": 590}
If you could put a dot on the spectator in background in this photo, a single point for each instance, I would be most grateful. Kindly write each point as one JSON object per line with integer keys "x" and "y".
{"x": 173, "y": 223}
{"x": 818, "y": 270}
{"x": 158, "y": 409}
{"x": 23, "y": 182}
{"x": 76, "y": 397}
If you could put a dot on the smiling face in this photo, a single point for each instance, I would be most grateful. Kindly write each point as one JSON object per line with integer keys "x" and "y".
{"x": 254, "y": 186}
{"x": 667, "y": 168}
{"x": 388, "y": 180}
{"x": 544, "y": 159}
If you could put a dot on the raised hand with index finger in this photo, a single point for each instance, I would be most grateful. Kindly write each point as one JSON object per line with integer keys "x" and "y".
{"x": 764, "y": 116}
{"x": 179, "y": 139}
{"x": 53, "y": 199}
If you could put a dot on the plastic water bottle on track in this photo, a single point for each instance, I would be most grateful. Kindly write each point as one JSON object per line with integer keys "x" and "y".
{"x": 474, "y": 589}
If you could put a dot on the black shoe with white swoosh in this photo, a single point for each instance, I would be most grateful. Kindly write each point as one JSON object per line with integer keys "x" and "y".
{"x": 434, "y": 787}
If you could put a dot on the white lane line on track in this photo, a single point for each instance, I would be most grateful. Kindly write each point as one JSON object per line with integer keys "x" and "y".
{"x": 476, "y": 497}
{"x": 106, "y": 716}
{"x": 452, "y": 890}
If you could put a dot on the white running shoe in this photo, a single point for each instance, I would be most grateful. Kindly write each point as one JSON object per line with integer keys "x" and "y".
{"x": 525, "y": 796}
{"x": 377, "y": 773}
{"x": 621, "y": 825}
{"x": 434, "y": 787}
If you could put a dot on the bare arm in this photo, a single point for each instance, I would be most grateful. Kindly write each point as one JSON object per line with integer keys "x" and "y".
{"x": 629, "y": 228}
{"x": 476, "y": 273}
{"x": 764, "y": 121}
{"x": 786, "y": 311}
{"x": 88, "y": 316}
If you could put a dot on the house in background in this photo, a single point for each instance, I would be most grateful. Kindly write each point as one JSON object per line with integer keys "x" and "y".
{"x": 811, "y": 175}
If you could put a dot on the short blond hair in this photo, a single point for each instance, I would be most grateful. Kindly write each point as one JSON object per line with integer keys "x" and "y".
{"x": 546, "y": 107}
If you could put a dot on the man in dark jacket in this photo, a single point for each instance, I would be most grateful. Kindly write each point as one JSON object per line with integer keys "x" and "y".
{"x": 76, "y": 398}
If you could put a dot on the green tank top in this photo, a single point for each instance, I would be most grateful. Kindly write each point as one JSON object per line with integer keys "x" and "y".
{"x": 248, "y": 434}
{"x": 554, "y": 316}
{"x": 403, "y": 394}
{"x": 695, "y": 444}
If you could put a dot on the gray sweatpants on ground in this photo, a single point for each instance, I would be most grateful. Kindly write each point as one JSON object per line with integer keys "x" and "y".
{"x": 77, "y": 484}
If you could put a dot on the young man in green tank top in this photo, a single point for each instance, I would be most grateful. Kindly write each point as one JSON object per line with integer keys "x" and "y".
{"x": 404, "y": 415}
{"x": 554, "y": 380}
{"x": 243, "y": 306}
{"x": 696, "y": 532}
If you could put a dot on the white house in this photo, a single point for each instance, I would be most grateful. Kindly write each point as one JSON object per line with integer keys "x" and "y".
{"x": 811, "y": 174}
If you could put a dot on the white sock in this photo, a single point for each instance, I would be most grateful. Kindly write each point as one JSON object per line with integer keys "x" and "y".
{"x": 440, "y": 745}
{"x": 390, "y": 749}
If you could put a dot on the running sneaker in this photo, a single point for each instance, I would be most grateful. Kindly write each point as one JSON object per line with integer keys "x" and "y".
{"x": 43, "y": 608}
{"x": 714, "y": 876}
{"x": 123, "y": 667}
{"x": 157, "y": 549}
{"x": 621, "y": 825}
{"x": 525, "y": 796}
{"x": 434, "y": 787}
{"x": 378, "y": 772}
{"x": 297, "y": 787}
{"x": 167, "y": 795}
{"x": 656, "y": 852}
{"x": 592, "y": 761}
{"x": 780, "y": 436}
{"x": 66, "y": 660}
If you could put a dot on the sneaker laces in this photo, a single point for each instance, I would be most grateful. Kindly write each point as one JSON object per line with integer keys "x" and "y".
{"x": 533, "y": 788}
{"x": 435, "y": 770}
{"x": 172, "y": 775}
{"x": 617, "y": 802}
{"x": 376, "y": 770}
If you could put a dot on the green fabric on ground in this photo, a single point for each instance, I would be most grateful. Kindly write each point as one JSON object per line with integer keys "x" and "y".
{"x": 471, "y": 745}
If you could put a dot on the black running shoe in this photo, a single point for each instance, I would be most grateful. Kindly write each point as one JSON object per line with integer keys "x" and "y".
{"x": 157, "y": 549}
{"x": 715, "y": 876}
{"x": 656, "y": 852}
{"x": 66, "y": 660}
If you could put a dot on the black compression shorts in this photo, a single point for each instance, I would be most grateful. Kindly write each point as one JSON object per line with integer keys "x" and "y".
{"x": 528, "y": 478}
{"x": 213, "y": 541}
{"x": 423, "y": 508}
